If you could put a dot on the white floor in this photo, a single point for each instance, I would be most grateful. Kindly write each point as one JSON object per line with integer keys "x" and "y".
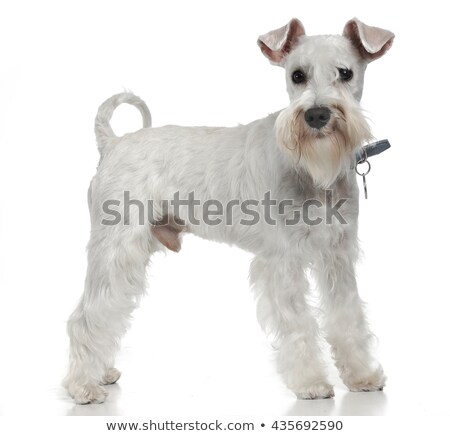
{"x": 198, "y": 351}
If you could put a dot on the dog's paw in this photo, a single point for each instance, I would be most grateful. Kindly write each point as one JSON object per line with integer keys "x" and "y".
{"x": 90, "y": 393}
{"x": 373, "y": 381}
{"x": 316, "y": 391}
{"x": 111, "y": 376}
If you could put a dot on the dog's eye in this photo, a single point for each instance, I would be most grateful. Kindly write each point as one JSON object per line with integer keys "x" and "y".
{"x": 345, "y": 74}
{"x": 298, "y": 76}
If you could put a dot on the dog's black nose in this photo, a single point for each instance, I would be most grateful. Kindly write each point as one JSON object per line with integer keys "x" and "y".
{"x": 317, "y": 117}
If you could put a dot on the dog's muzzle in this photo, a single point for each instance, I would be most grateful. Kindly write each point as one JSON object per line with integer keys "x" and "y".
{"x": 317, "y": 117}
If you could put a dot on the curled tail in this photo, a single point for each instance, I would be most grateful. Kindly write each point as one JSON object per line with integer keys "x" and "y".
{"x": 103, "y": 130}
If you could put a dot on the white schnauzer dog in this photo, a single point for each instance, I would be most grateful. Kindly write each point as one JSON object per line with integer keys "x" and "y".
{"x": 302, "y": 153}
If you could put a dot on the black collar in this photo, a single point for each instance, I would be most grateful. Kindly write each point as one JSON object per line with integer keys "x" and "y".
{"x": 372, "y": 149}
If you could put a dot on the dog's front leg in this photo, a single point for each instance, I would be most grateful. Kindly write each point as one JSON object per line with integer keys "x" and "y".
{"x": 346, "y": 326}
{"x": 284, "y": 314}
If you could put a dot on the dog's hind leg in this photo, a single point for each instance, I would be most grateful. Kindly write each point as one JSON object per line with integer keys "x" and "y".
{"x": 115, "y": 281}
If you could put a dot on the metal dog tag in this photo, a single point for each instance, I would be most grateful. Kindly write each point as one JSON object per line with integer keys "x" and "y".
{"x": 363, "y": 174}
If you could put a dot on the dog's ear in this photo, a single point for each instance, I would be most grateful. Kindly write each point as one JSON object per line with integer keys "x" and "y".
{"x": 371, "y": 42}
{"x": 277, "y": 44}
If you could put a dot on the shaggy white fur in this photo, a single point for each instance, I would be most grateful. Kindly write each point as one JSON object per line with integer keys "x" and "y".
{"x": 284, "y": 154}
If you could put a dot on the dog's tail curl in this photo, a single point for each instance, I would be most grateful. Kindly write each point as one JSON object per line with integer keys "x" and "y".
{"x": 103, "y": 130}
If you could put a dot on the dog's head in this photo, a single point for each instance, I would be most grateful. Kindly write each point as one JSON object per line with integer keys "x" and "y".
{"x": 324, "y": 123}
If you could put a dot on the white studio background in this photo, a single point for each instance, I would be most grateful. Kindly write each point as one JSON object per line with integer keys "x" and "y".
{"x": 195, "y": 346}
